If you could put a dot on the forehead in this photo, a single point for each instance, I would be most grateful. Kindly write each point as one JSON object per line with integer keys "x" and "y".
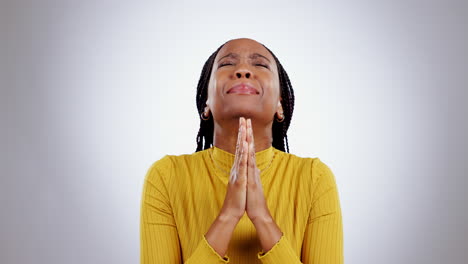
{"x": 244, "y": 47}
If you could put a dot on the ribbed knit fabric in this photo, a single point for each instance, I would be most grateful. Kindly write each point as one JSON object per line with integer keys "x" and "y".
{"x": 183, "y": 195}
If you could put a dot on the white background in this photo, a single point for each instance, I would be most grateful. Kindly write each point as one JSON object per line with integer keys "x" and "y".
{"x": 93, "y": 92}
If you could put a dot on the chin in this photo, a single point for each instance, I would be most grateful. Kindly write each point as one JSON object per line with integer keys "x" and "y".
{"x": 249, "y": 111}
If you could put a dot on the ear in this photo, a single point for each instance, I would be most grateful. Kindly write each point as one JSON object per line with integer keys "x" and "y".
{"x": 279, "y": 109}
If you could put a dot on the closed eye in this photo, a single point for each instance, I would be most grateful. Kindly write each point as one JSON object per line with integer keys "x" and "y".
{"x": 262, "y": 65}
{"x": 224, "y": 64}
{"x": 258, "y": 64}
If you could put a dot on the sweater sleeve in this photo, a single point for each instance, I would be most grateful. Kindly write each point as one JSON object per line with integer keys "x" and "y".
{"x": 323, "y": 240}
{"x": 159, "y": 239}
{"x": 281, "y": 252}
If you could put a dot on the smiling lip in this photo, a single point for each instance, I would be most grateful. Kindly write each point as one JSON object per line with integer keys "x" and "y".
{"x": 243, "y": 88}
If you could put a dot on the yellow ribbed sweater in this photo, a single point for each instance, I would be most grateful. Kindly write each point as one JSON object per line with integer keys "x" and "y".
{"x": 183, "y": 195}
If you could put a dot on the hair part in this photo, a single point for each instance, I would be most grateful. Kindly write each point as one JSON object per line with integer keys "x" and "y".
{"x": 279, "y": 129}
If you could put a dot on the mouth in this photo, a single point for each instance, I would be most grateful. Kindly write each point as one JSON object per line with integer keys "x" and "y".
{"x": 242, "y": 88}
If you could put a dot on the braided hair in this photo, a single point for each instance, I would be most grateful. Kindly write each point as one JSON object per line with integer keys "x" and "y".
{"x": 279, "y": 129}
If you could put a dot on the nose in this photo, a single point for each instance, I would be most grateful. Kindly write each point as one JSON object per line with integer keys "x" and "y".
{"x": 243, "y": 72}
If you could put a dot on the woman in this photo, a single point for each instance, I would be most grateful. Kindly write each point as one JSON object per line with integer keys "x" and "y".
{"x": 240, "y": 198}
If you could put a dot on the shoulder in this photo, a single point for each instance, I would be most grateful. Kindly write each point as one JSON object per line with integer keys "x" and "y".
{"x": 313, "y": 168}
{"x": 158, "y": 169}
{"x": 296, "y": 161}
{"x": 161, "y": 164}
{"x": 170, "y": 162}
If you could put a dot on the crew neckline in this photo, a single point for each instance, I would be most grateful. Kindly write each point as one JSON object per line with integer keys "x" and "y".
{"x": 223, "y": 160}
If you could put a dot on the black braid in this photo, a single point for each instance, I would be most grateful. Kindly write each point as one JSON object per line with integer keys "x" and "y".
{"x": 287, "y": 94}
{"x": 205, "y": 133}
{"x": 279, "y": 129}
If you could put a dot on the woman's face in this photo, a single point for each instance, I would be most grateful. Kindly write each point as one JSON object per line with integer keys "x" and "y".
{"x": 244, "y": 82}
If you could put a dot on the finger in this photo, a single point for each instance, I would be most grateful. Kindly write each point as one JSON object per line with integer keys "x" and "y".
{"x": 254, "y": 159}
{"x": 252, "y": 136}
{"x": 248, "y": 130}
{"x": 235, "y": 165}
{"x": 243, "y": 163}
{"x": 245, "y": 152}
{"x": 238, "y": 141}
{"x": 239, "y": 163}
{"x": 244, "y": 124}
{"x": 251, "y": 139}
{"x": 246, "y": 144}
{"x": 251, "y": 163}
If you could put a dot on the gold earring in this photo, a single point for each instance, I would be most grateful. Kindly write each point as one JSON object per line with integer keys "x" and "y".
{"x": 203, "y": 116}
{"x": 282, "y": 118}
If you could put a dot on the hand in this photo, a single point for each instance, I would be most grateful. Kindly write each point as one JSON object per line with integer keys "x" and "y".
{"x": 236, "y": 195}
{"x": 220, "y": 232}
{"x": 268, "y": 231}
{"x": 244, "y": 193}
{"x": 244, "y": 190}
{"x": 256, "y": 206}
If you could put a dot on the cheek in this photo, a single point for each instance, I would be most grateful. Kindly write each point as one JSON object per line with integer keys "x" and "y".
{"x": 271, "y": 85}
{"x": 218, "y": 81}
{"x": 212, "y": 88}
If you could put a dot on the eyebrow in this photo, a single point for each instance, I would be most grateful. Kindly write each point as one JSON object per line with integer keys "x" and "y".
{"x": 252, "y": 56}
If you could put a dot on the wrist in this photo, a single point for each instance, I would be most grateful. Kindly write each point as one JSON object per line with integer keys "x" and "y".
{"x": 263, "y": 220}
{"x": 228, "y": 219}
{"x": 268, "y": 232}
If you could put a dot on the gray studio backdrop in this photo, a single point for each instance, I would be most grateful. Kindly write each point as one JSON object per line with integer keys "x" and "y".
{"x": 93, "y": 92}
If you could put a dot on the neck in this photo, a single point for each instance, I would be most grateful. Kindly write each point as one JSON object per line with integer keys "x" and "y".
{"x": 225, "y": 135}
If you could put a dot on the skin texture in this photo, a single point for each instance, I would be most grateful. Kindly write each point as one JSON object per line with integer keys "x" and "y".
{"x": 242, "y": 126}
{"x": 226, "y": 109}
